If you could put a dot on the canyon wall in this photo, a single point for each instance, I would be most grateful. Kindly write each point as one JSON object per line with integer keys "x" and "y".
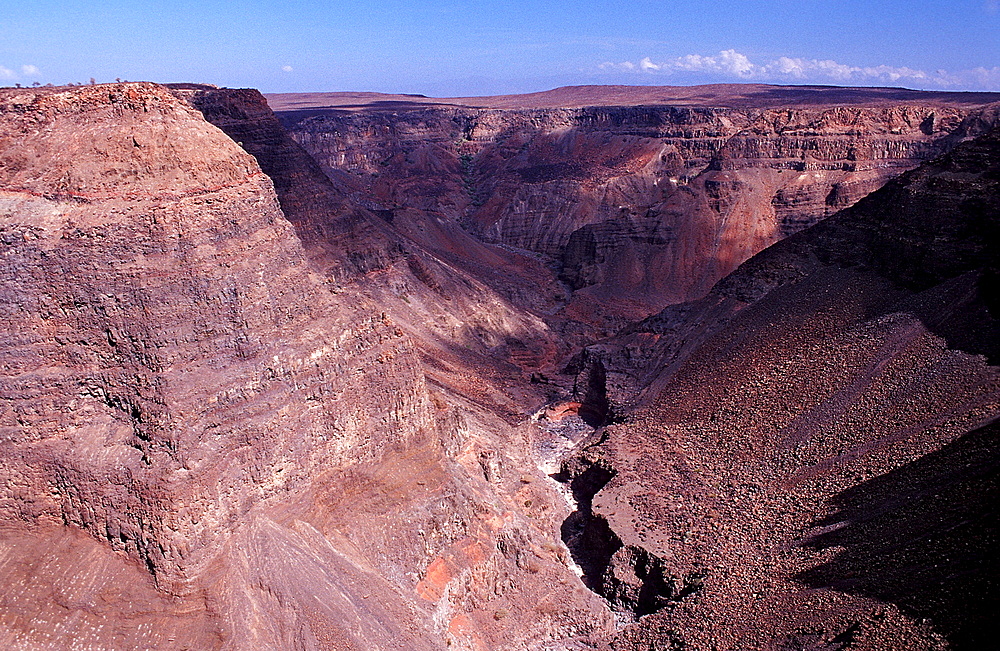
{"x": 461, "y": 299}
{"x": 634, "y": 207}
{"x": 162, "y": 322}
{"x": 812, "y": 459}
{"x": 247, "y": 438}
{"x": 269, "y": 389}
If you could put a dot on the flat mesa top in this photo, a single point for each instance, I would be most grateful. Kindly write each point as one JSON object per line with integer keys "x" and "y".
{"x": 714, "y": 95}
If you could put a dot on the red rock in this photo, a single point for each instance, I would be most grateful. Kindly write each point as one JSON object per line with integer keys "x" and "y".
{"x": 638, "y": 207}
{"x": 180, "y": 382}
{"x": 831, "y": 433}
{"x": 249, "y": 400}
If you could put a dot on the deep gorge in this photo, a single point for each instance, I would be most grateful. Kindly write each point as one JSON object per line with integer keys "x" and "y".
{"x": 281, "y": 375}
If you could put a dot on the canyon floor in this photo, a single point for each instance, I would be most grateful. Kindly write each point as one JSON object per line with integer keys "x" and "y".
{"x": 599, "y": 368}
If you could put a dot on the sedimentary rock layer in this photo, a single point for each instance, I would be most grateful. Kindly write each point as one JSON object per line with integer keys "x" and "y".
{"x": 167, "y": 342}
{"x": 461, "y": 299}
{"x": 636, "y": 207}
{"x": 249, "y": 400}
{"x": 194, "y": 405}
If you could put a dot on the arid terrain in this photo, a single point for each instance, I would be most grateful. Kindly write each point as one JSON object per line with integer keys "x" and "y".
{"x": 604, "y": 368}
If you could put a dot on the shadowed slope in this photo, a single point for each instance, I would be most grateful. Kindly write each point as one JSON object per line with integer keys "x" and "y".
{"x": 923, "y": 536}
{"x": 837, "y": 397}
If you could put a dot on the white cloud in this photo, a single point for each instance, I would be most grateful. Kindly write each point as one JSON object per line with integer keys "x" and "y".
{"x": 625, "y": 66}
{"x": 695, "y": 63}
{"x": 26, "y": 70}
{"x": 792, "y": 67}
{"x": 287, "y": 68}
{"x": 728, "y": 62}
{"x": 985, "y": 78}
{"x": 733, "y": 64}
{"x": 827, "y": 68}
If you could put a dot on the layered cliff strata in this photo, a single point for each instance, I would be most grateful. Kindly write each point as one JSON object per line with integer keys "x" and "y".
{"x": 249, "y": 444}
{"x": 635, "y": 207}
{"x": 249, "y": 402}
{"x": 466, "y": 303}
{"x": 813, "y": 463}
{"x": 162, "y": 322}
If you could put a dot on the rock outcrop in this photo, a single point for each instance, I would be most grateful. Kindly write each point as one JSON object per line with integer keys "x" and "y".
{"x": 464, "y": 302}
{"x": 167, "y": 342}
{"x": 295, "y": 389}
{"x": 243, "y": 434}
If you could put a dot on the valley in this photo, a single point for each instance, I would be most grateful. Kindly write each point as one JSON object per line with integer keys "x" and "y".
{"x": 616, "y": 368}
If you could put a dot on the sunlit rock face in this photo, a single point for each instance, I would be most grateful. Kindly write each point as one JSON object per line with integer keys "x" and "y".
{"x": 313, "y": 388}
{"x": 209, "y": 441}
{"x": 167, "y": 341}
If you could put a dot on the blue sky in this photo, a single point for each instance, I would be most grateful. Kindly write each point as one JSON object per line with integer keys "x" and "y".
{"x": 449, "y": 48}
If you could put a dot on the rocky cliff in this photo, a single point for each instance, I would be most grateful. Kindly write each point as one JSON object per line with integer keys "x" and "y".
{"x": 162, "y": 321}
{"x": 635, "y": 207}
{"x": 461, "y": 299}
{"x": 814, "y": 463}
{"x": 246, "y": 438}
{"x": 253, "y": 399}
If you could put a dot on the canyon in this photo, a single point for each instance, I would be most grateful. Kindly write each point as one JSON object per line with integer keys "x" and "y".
{"x": 637, "y": 207}
{"x": 597, "y": 368}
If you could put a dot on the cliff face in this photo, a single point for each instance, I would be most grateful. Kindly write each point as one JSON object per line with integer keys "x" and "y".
{"x": 249, "y": 400}
{"x": 814, "y": 461}
{"x": 162, "y": 321}
{"x": 461, "y": 299}
{"x": 186, "y": 383}
{"x": 636, "y": 207}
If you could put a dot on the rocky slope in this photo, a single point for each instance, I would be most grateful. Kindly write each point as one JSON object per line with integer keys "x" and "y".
{"x": 250, "y": 399}
{"x": 634, "y": 207}
{"x": 242, "y": 435}
{"x": 814, "y": 462}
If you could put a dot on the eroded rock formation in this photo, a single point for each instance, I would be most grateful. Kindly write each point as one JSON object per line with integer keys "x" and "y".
{"x": 817, "y": 441}
{"x": 635, "y": 207}
{"x": 184, "y": 383}
{"x": 250, "y": 399}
